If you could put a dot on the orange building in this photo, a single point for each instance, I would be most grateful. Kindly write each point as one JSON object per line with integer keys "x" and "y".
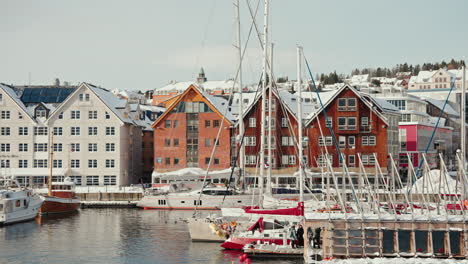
{"x": 185, "y": 135}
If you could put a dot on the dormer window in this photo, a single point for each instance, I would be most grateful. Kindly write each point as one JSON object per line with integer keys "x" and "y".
{"x": 40, "y": 112}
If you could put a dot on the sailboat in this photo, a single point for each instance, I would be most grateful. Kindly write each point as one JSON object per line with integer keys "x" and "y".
{"x": 61, "y": 196}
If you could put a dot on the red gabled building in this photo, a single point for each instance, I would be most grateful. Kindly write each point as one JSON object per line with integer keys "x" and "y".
{"x": 185, "y": 135}
{"x": 361, "y": 125}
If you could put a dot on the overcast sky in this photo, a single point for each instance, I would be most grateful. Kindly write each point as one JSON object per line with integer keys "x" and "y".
{"x": 143, "y": 45}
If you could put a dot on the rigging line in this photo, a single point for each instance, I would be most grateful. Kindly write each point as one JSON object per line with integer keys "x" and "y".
{"x": 418, "y": 171}
{"x": 340, "y": 155}
{"x": 205, "y": 32}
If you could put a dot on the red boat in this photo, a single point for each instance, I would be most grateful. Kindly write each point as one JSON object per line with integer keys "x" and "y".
{"x": 61, "y": 198}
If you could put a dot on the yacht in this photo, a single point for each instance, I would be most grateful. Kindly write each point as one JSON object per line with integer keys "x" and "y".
{"x": 17, "y": 204}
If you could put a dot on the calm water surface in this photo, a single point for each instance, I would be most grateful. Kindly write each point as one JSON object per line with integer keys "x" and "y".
{"x": 110, "y": 236}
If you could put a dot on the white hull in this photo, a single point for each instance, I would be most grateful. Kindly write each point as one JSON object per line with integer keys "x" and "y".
{"x": 189, "y": 201}
{"x": 204, "y": 230}
{"x": 23, "y": 213}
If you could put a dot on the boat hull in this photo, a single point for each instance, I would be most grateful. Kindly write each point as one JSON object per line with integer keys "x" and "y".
{"x": 202, "y": 230}
{"x": 57, "y": 205}
{"x": 238, "y": 243}
{"x": 23, "y": 214}
{"x": 191, "y": 202}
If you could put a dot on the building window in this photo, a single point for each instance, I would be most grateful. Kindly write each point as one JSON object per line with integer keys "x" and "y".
{"x": 176, "y": 123}
{"x": 4, "y": 163}
{"x": 75, "y": 147}
{"x": 92, "y": 180}
{"x": 346, "y": 104}
{"x": 250, "y": 141}
{"x": 167, "y": 142}
{"x": 329, "y": 141}
{"x": 92, "y": 147}
{"x": 60, "y": 116}
{"x": 5, "y": 131}
{"x": 250, "y": 160}
{"x": 216, "y": 161}
{"x": 40, "y": 131}
{"x": 74, "y": 163}
{"x": 110, "y": 147}
{"x": 321, "y": 142}
{"x": 207, "y": 160}
{"x": 207, "y": 142}
{"x": 40, "y": 147}
{"x": 372, "y": 141}
{"x": 110, "y": 163}
{"x": 80, "y": 97}
{"x": 322, "y": 160}
{"x": 158, "y": 160}
{"x": 58, "y": 147}
{"x": 75, "y": 114}
{"x": 92, "y": 131}
{"x": 107, "y": 115}
{"x": 167, "y": 123}
{"x": 23, "y": 147}
{"x": 40, "y": 163}
{"x": 405, "y": 118}
{"x": 87, "y": 97}
{"x": 342, "y": 141}
{"x": 400, "y": 104}
{"x": 22, "y": 131}
{"x": 176, "y": 142}
{"x": 168, "y": 161}
{"x": 22, "y": 164}
{"x": 57, "y": 163}
{"x": 176, "y": 161}
{"x": 92, "y": 163}
{"x": 41, "y": 112}
{"x": 76, "y": 180}
{"x": 75, "y": 131}
{"x": 288, "y": 159}
{"x": 5, "y": 115}
{"x": 351, "y": 160}
{"x": 284, "y": 122}
{"x": 351, "y": 140}
{"x": 329, "y": 122}
{"x": 110, "y": 180}
{"x": 207, "y": 123}
{"x": 369, "y": 141}
{"x": 5, "y": 147}
{"x": 92, "y": 114}
{"x": 287, "y": 141}
{"x": 58, "y": 131}
{"x": 346, "y": 123}
{"x": 20, "y": 116}
{"x": 252, "y": 122}
{"x": 216, "y": 142}
{"x": 110, "y": 131}
{"x": 215, "y": 123}
{"x": 365, "y": 141}
{"x": 364, "y": 121}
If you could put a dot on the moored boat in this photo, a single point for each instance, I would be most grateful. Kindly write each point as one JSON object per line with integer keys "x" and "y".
{"x": 17, "y": 204}
{"x": 62, "y": 199}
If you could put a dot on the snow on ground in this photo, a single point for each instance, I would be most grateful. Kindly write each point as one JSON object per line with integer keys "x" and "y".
{"x": 429, "y": 183}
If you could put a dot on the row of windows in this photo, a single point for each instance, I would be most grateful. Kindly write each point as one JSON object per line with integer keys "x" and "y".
{"x": 167, "y": 161}
{"x": 350, "y": 160}
{"x": 284, "y": 122}
{"x": 92, "y": 115}
{"x": 58, "y": 131}
{"x": 58, "y": 147}
{"x": 43, "y": 163}
{"x": 350, "y": 141}
{"x": 91, "y": 180}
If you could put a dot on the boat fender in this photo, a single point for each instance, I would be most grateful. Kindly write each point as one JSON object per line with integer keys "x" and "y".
{"x": 224, "y": 226}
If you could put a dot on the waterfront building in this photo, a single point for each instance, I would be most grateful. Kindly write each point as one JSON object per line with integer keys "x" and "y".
{"x": 439, "y": 79}
{"x": 185, "y": 134}
{"x": 96, "y": 141}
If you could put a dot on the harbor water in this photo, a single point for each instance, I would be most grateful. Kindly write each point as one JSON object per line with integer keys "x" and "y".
{"x": 117, "y": 235}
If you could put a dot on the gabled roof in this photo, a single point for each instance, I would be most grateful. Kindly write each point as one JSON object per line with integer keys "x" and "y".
{"x": 217, "y": 104}
{"x": 11, "y": 92}
{"x": 113, "y": 103}
{"x": 335, "y": 95}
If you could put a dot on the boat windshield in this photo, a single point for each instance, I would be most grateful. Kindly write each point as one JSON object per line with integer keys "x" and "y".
{"x": 217, "y": 192}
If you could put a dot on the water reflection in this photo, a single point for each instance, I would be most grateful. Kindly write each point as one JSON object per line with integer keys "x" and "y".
{"x": 109, "y": 236}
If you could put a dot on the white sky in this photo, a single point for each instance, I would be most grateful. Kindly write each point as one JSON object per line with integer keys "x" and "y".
{"x": 143, "y": 45}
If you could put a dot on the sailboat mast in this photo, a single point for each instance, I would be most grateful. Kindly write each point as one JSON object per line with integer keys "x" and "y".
{"x": 51, "y": 162}
{"x": 270, "y": 95}
{"x": 299, "y": 122}
{"x": 241, "y": 102}
{"x": 463, "y": 133}
{"x": 264, "y": 85}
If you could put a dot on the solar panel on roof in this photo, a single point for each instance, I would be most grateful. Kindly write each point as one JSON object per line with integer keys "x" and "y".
{"x": 45, "y": 95}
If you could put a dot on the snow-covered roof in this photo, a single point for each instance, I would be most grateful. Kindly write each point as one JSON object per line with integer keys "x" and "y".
{"x": 15, "y": 96}
{"x": 221, "y": 104}
{"x": 152, "y": 108}
{"x": 207, "y": 86}
{"x": 384, "y": 105}
{"x": 359, "y": 78}
{"x": 440, "y": 104}
{"x": 423, "y": 76}
{"x": 115, "y": 104}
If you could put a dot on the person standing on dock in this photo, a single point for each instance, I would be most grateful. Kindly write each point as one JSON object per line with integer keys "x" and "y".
{"x": 300, "y": 236}
{"x": 292, "y": 236}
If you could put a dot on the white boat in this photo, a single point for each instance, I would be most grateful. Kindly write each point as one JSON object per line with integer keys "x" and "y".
{"x": 17, "y": 204}
{"x": 211, "y": 198}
